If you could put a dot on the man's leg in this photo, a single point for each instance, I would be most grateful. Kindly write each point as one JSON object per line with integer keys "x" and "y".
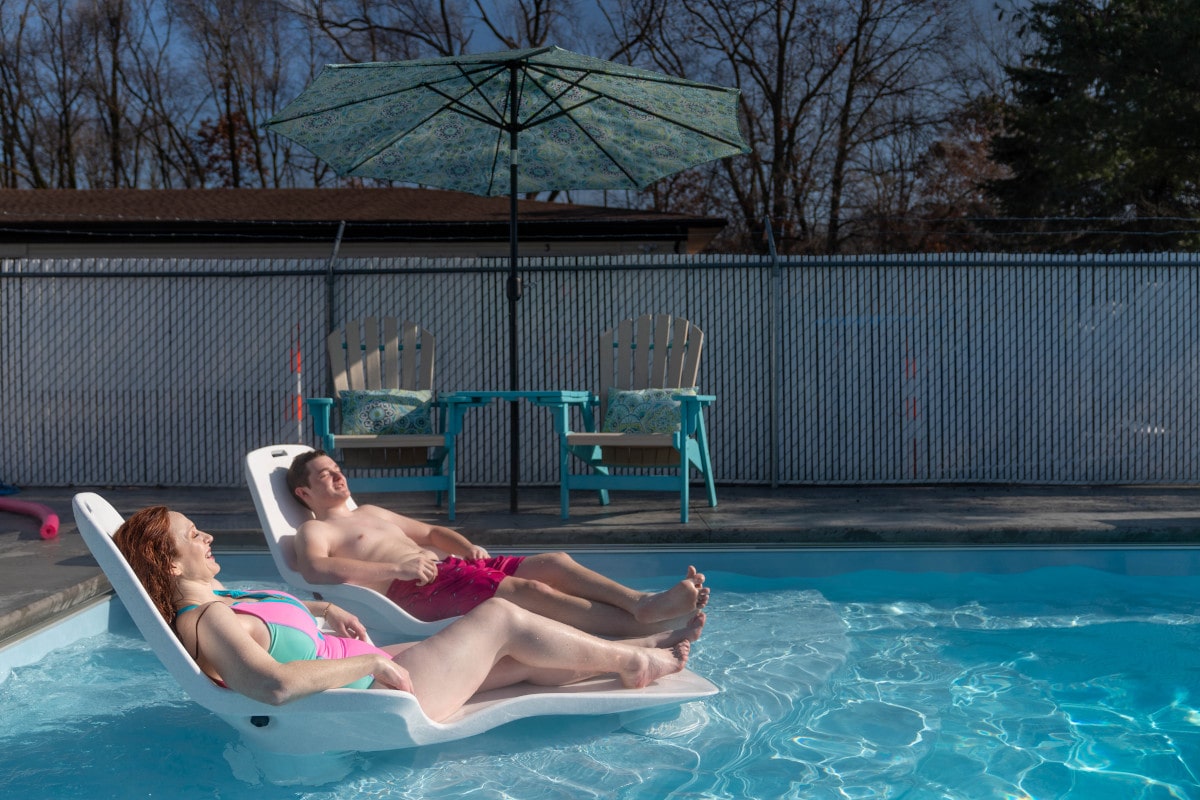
{"x": 560, "y": 571}
{"x": 592, "y": 616}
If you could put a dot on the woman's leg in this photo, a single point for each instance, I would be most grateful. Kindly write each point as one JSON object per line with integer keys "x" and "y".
{"x": 507, "y": 671}
{"x": 515, "y": 644}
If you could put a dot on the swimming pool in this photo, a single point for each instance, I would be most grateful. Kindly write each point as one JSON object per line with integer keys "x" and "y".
{"x": 909, "y": 673}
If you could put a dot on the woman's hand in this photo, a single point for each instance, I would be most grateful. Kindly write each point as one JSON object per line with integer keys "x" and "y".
{"x": 343, "y": 623}
{"x": 390, "y": 675}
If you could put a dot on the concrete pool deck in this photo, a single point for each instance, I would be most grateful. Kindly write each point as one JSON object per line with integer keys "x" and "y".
{"x": 41, "y": 579}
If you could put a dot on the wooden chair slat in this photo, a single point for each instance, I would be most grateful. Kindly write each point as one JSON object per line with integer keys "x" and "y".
{"x": 607, "y": 370}
{"x": 392, "y": 378}
{"x": 689, "y": 372}
{"x": 355, "y": 369}
{"x": 336, "y": 348}
{"x": 407, "y": 361}
{"x": 660, "y": 354}
{"x": 372, "y": 357}
{"x": 639, "y": 349}
{"x": 426, "y": 352}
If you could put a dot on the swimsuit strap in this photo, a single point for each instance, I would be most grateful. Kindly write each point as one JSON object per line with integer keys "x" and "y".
{"x": 196, "y": 631}
{"x": 235, "y": 594}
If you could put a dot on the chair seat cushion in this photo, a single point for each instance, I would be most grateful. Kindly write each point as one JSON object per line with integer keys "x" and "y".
{"x": 642, "y": 410}
{"x": 386, "y": 412}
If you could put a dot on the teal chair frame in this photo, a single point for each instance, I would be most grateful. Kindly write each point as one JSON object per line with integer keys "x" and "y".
{"x": 386, "y": 353}
{"x": 651, "y": 352}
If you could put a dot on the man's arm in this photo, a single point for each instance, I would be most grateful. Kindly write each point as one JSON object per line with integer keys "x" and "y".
{"x": 436, "y": 537}
{"x": 314, "y": 560}
{"x": 454, "y": 543}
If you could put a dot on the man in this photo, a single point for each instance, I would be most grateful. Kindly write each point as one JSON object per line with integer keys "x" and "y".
{"x": 434, "y": 572}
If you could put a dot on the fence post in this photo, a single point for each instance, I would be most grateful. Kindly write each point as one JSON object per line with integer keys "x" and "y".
{"x": 773, "y": 347}
{"x": 330, "y": 314}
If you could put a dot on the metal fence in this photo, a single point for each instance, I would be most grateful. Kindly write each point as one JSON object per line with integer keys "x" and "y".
{"x": 961, "y": 368}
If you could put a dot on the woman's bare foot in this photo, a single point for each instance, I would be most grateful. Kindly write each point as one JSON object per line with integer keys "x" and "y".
{"x": 689, "y": 631}
{"x": 686, "y": 596}
{"x": 650, "y": 664}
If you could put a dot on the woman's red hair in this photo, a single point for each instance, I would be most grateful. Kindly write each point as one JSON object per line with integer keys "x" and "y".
{"x": 145, "y": 541}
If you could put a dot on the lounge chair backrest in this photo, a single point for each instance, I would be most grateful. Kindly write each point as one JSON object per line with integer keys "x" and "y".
{"x": 654, "y": 351}
{"x": 281, "y": 514}
{"x": 382, "y": 353}
{"x": 97, "y": 521}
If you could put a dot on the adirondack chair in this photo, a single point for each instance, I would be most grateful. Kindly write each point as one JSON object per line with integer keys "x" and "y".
{"x": 651, "y": 416}
{"x": 382, "y": 373}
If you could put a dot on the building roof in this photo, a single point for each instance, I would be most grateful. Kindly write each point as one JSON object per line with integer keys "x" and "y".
{"x": 49, "y": 217}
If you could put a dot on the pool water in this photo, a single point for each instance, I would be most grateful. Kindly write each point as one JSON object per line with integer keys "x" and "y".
{"x": 1060, "y": 681}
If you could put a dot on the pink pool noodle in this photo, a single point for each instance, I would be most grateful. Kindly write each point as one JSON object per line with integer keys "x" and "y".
{"x": 46, "y": 514}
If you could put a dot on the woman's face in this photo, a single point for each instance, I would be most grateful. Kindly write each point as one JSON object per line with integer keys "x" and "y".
{"x": 193, "y": 549}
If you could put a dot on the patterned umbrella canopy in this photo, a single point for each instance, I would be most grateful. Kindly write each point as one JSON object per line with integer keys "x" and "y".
{"x": 455, "y": 123}
{"x": 511, "y": 122}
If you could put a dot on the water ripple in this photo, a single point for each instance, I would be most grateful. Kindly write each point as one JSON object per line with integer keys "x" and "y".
{"x": 893, "y": 687}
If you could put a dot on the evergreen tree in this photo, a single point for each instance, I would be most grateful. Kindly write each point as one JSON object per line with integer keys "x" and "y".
{"x": 1104, "y": 125}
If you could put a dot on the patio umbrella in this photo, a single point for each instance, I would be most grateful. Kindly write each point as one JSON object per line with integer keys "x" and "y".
{"x": 511, "y": 122}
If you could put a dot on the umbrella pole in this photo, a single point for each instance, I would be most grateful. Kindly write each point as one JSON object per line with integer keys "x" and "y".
{"x": 514, "y": 294}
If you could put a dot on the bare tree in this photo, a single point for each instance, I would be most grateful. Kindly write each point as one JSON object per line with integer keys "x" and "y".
{"x": 19, "y": 164}
{"x": 107, "y": 27}
{"x": 245, "y": 48}
{"x": 76, "y": 80}
{"x": 389, "y": 30}
{"x": 168, "y": 105}
{"x": 826, "y": 84}
{"x": 57, "y": 91}
{"x": 527, "y": 23}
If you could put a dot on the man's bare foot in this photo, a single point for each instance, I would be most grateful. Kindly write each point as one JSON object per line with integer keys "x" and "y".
{"x": 686, "y": 596}
{"x": 689, "y": 631}
{"x": 650, "y": 664}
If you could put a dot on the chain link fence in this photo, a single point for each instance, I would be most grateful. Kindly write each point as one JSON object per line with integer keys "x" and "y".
{"x": 959, "y": 368}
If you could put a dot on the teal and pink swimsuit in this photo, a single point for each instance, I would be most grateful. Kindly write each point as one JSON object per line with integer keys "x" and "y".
{"x": 295, "y": 635}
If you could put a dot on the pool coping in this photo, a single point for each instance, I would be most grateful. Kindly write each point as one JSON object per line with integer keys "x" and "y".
{"x": 48, "y": 578}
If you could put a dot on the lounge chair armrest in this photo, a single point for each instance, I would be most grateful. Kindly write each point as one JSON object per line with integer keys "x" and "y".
{"x": 702, "y": 400}
{"x": 320, "y": 409}
{"x": 691, "y": 416}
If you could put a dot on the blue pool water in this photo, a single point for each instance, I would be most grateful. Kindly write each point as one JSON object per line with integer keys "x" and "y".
{"x": 886, "y": 674}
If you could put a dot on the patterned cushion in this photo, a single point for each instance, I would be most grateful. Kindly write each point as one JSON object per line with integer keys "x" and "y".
{"x": 383, "y": 412}
{"x": 642, "y": 411}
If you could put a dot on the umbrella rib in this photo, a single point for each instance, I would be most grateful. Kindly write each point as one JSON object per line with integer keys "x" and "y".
{"x": 565, "y": 111}
{"x": 597, "y": 94}
{"x": 498, "y": 112}
{"x": 467, "y": 110}
{"x": 453, "y": 104}
{"x": 500, "y": 131}
{"x": 553, "y": 100}
{"x": 277, "y": 119}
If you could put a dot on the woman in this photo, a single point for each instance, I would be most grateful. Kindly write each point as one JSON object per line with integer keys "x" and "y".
{"x": 267, "y": 646}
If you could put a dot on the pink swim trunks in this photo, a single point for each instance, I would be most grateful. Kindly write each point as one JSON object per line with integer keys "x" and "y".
{"x": 459, "y": 586}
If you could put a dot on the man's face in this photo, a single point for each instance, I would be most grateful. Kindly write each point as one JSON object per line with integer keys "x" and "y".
{"x": 325, "y": 482}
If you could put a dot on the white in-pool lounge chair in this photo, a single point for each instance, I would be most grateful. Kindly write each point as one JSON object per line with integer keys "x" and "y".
{"x": 281, "y": 514}
{"x": 342, "y": 720}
